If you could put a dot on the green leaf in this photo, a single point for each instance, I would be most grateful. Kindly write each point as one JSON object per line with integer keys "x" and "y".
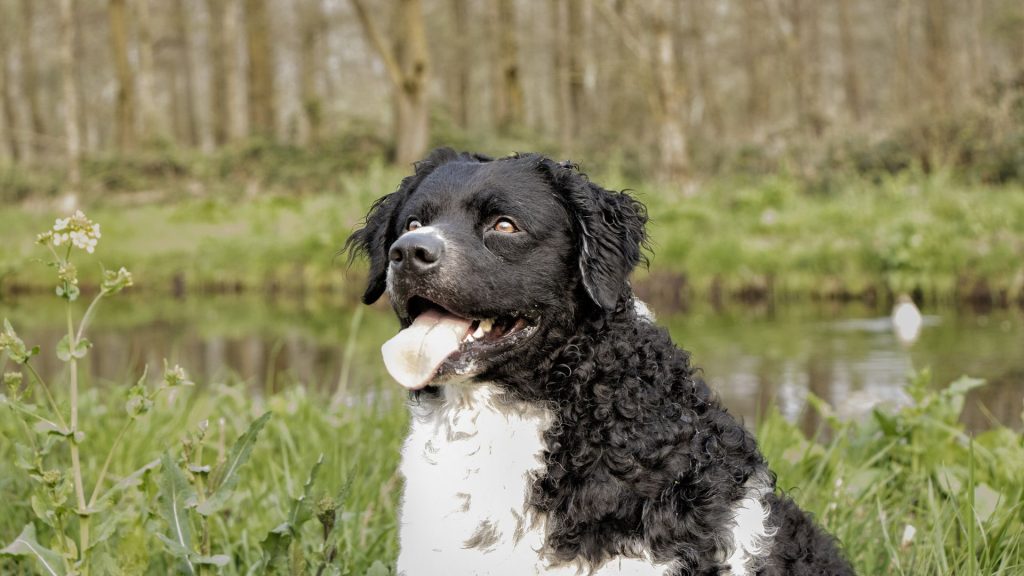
{"x": 64, "y": 348}
{"x": 888, "y": 424}
{"x": 275, "y": 544}
{"x": 301, "y": 510}
{"x": 215, "y": 560}
{"x": 47, "y": 427}
{"x": 176, "y": 496}
{"x": 225, "y": 477}
{"x": 963, "y": 385}
{"x": 26, "y": 545}
{"x": 65, "y": 351}
{"x": 986, "y": 500}
{"x": 949, "y": 480}
{"x": 277, "y": 541}
{"x": 129, "y": 481}
{"x": 378, "y": 569}
{"x": 81, "y": 348}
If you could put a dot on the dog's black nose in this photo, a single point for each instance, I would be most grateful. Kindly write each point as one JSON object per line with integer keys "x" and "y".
{"x": 416, "y": 252}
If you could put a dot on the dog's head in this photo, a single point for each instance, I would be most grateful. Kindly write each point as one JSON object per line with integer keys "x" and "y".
{"x": 489, "y": 262}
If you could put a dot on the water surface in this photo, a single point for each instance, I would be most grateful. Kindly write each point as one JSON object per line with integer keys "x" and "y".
{"x": 754, "y": 356}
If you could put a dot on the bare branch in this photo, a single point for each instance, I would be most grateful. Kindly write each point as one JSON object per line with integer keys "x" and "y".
{"x": 373, "y": 34}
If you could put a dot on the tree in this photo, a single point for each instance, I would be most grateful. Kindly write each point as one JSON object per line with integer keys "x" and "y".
{"x": 8, "y": 117}
{"x": 407, "y": 63}
{"x": 705, "y": 99}
{"x": 29, "y": 79}
{"x": 458, "y": 83}
{"x": 509, "y": 89}
{"x": 184, "y": 42}
{"x": 125, "y": 106}
{"x": 937, "y": 54}
{"x": 668, "y": 93}
{"x": 152, "y": 122}
{"x": 563, "y": 77}
{"x": 225, "y": 111}
{"x": 758, "y": 98}
{"x": 851, "y": 78}
{"x": 262, "y": 116}
{"x": 310, "y": 24}
{"x": 70, "y": 91}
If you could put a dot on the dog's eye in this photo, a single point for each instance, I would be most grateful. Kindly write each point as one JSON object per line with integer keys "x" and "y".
{"x": 412, "y": 225}
{"x": 505, "y": 225}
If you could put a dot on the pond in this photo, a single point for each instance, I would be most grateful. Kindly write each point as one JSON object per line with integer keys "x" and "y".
{"x": 754, "y": 356}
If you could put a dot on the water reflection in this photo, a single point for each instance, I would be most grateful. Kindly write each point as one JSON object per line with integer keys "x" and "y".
{"x": 755, "y": 357}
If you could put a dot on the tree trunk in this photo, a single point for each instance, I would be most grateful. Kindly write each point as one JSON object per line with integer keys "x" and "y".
{"x": 183, "y": 27}
{"x": 937, "y": 54}
{"x": 938, "y": 62}
{"x": 125, "y": 107}
{"x": 851, "y": 78}
{"x": 67, "y": 70}
{"x": 29, "y": 78}
{"x": 758, "y": 99}
{"x": 577, "y": 91}
{"x": 509, "y": 92}
{"x": 563, "y": 69}
{"x": 670, "y": 97}
{"x": 310, "y": 23}
{"x": 152, "y": 128}
{"x": 222, "y": 47}
{"x": 407, "y": 63}
{"x": 706, "y": 100}
{"x": 261, "y": 69}
{"x": 905, "y": 70}
{"x": 413, "y": 126}
{"x": 86, "y": 119}
{"x": 8, "y": 119}
{"x": 459, "y": 68}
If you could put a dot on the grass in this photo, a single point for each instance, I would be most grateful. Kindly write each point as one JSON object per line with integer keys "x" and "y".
{"x": 272, "y": 218}
{"x": 917, "y": 468}
{"x": 218, "y": 479}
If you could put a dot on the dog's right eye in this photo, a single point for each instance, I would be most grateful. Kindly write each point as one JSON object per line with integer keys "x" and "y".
{"x": 412, "y": 225}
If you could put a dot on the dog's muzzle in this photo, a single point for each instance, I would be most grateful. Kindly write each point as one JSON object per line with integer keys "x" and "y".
{"x": 417, "y": 252}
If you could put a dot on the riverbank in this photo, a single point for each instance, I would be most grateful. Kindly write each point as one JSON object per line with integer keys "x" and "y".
{"x": 741, "y": 238}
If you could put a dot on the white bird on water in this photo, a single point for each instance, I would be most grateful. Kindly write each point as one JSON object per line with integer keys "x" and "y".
{"x": 906, "y": 320}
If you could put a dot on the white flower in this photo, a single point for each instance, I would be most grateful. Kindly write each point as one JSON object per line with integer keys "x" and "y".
{"x": 76, "y": 230}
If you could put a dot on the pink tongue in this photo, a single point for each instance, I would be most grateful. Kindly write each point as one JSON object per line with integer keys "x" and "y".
{"x": 414, "y": 354}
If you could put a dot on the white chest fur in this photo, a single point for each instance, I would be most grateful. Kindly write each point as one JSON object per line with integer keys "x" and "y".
{"x": 468, "y": 463}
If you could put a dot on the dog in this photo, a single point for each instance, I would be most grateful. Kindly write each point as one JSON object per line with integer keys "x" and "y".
{"x": 555, "y": 428}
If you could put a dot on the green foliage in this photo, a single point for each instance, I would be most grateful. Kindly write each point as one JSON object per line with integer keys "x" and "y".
{"x": 934, "y": 499}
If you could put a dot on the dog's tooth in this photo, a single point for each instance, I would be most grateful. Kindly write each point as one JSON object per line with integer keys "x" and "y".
{"x": 486, "y": 325}
{"x": 480, "y": 332}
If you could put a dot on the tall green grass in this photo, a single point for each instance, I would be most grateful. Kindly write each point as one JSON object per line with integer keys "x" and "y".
{"x": 872, "y": 484}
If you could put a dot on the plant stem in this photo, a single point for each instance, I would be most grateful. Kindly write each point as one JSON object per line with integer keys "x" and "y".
{"x": 49, "y": 396}
{"x": 88, "y": 316}
{"x": 204, "y": 546}
{"x": 76, "y": 464}
{"x": 106, "y": 463}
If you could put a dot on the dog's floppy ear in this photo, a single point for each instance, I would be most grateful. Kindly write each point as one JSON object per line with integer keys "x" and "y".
{"x": 610, "y": 228}
{"x": 379, "y": 229}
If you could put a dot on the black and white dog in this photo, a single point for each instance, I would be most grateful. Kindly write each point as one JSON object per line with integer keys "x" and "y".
{"x": 555, "y": 428}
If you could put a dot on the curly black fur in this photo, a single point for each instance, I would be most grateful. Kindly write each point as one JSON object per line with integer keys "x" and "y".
{"x": 640, "y": 456}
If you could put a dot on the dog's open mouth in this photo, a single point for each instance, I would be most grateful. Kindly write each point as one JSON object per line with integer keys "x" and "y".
{"x": 439, "y": 341}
